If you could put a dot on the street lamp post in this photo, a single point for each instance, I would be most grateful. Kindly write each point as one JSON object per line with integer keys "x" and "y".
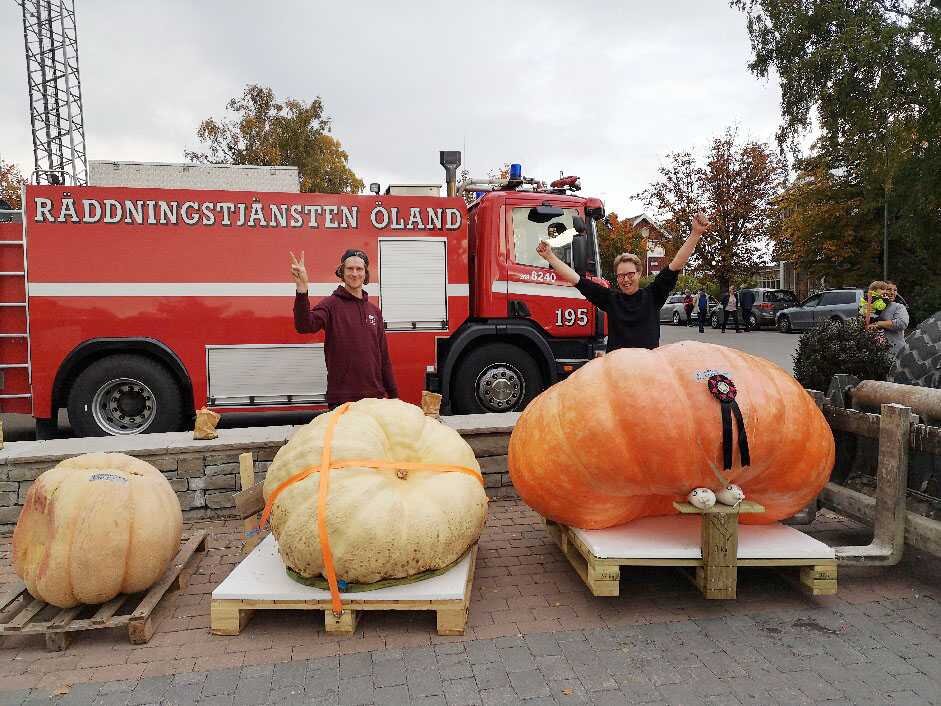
{"x": 885, "y": 236}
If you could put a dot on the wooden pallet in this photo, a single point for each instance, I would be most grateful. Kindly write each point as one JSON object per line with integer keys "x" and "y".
{"x": 815, "y": 576}
{"x": 21, "y": 614}
{"x": 229, "y": 616}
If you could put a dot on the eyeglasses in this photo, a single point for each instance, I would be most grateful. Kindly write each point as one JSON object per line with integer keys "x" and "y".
{"x": 626, "y": 275}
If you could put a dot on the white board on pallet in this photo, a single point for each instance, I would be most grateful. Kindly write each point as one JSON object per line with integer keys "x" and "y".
{"x": 261, "y": 576}
{"x": 678, "y": 537}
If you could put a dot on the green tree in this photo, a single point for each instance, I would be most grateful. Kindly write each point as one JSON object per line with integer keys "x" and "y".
{"x": 736, "y": 187}
{"x": 262, "y": 130}
{"x": 867, "y": 75}
{"x": 11, "y": 181}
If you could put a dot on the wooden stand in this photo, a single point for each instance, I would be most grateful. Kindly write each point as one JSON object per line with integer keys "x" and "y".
{"x": 260, "y": 582}
{"x": 717, "y": 578}
{"x": 708, "y": 551}
{"x": 270, "y": 588}
{"x": 21, "y": 614}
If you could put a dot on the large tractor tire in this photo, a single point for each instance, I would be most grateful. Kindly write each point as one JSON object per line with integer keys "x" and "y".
{"x": 919, "y": 360}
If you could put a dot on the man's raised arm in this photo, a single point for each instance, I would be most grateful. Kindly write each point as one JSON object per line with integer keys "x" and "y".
{"x": 700, "y": 225}
{"x": 564, "y": 271}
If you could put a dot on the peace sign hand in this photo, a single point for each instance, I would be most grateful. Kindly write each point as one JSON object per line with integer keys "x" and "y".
{"x": 299, "y": 273}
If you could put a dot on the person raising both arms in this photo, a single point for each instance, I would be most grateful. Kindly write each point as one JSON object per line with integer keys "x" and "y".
{"x": 633, "y": 311}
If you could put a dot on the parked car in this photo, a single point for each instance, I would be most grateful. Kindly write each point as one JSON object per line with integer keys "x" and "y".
{"x": 768, "y": 302}
{"x": 830, "y": 305}
{"x": 674, "y": 312}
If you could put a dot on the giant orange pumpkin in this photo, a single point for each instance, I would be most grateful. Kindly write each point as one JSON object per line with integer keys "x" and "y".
{"x": 629, "y": 433}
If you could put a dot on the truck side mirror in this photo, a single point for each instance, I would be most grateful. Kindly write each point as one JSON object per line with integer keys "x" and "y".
{"x": 578, "y": 223}
{"x": 581, "y": 254}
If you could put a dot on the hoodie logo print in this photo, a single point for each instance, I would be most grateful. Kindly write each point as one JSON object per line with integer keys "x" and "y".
{"x": 372, "y": 319}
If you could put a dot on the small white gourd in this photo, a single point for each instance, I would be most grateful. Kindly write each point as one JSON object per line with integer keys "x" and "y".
{"x": 730, "y": 495}
{"x": 702, "y": 498}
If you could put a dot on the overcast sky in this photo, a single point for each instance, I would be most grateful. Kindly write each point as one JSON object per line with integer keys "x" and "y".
{"x": 604, "y": 90}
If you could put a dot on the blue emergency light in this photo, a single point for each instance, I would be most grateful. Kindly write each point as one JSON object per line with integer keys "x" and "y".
{"x": 516, "y": 172}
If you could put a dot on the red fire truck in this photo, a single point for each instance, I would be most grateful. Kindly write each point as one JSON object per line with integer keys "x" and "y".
{"x": 133, "y": 307}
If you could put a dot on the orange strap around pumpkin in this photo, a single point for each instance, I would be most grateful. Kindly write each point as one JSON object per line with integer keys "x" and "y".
{"x": 326, "y": 464}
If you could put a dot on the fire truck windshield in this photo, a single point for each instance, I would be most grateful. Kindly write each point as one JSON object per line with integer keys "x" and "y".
{"x": 527, "y": 234}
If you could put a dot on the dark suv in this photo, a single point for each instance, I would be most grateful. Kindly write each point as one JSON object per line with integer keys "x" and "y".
{"x": 768, "y": 302}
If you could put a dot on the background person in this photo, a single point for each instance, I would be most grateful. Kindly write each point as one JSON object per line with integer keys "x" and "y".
{"x": 730, "y": 308}
{"x": 893, "y": 320}
{"x": 688, "y": 307}
{"x": 355, "y": 348}
{"x": 633, "y": 312}
{"x": 703, "y": 301}
{"x": 747, "y": 300}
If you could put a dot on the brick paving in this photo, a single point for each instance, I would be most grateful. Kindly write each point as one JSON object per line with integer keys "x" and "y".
{"x": 535, "y": 636}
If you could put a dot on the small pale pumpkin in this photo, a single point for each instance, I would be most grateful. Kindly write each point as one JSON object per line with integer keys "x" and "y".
{"x": 95, "y": 526}
{"x": 381, "y": 523}
{"x": 629, "y": 433}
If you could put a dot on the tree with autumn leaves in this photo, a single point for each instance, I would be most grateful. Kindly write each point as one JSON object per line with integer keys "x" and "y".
{"x": 260, "y": 129}
{"x": 865, "y": 76}
{"x": 735, "y": 185}
{"x": 11, "y": 182}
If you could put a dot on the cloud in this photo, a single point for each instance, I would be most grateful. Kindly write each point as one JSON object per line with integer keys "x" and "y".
{"x": 603, "y": 89}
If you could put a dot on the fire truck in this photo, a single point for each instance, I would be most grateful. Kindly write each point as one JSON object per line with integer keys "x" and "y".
{"x": 134, "y": 307}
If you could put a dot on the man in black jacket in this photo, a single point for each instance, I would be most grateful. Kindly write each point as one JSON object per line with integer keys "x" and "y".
{"x": 633, "y": 312}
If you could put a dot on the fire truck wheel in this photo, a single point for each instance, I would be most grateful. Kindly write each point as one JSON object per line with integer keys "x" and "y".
{"x": 124, "y": 394}
{"x": 497, "y": 377}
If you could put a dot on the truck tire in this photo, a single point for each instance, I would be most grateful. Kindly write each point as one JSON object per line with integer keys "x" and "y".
{"x": 124, "y": 394}
{"x": 497, "y": 377}
{"x": 919, "y": 360}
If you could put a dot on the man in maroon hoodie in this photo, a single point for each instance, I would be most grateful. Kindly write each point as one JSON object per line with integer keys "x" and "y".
{"x": 355, "y": 347}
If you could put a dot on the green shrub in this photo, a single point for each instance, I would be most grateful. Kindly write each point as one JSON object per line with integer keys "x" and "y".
{"x": 834, "y": 347}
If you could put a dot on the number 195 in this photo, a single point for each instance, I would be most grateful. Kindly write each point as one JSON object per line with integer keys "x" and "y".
{"x": 571, "y": 317}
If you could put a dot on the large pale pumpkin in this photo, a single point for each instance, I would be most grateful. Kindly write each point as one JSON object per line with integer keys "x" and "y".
{"x": 380, "y": 523}
{"x": 631, "y": 432}
{"x": 95, "y": 526}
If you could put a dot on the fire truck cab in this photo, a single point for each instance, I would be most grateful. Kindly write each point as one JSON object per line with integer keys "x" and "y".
{"x": 134, "y": 307}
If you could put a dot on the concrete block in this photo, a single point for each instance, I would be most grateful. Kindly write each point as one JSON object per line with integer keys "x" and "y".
{"x": 219, "y": 500}
{"x": 9, "y": 486}
{"x": 220, "y": 458}
{"x": 489, "y": 444}
{"x": 178, "y": 484}
{"x": 162, "y": 463}
{"x": 190, "y": 467}
{"x": 7, "y": 499}
{"x": 220, "y": 469}
{"x": 28, "y": 472}
{"x": 192, "y": 499}
{"x": 213, "y": 483}
{"x": 494, "y": 464}
{"x": 24, "y": 489}
{"x": 9, "y": 515}
{"x": 266, "y": 454}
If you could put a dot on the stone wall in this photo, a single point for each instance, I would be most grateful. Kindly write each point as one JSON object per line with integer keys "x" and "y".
{"x": 205, "y": 474}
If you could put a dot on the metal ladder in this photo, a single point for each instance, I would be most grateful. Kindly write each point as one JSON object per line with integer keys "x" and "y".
{"x": 12, "y": 326}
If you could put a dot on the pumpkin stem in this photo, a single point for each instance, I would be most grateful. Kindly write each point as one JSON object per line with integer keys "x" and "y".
{"x": 401, "y": 474}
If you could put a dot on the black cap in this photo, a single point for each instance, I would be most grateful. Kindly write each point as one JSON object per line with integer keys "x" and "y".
{"x": 354, "y": 253}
